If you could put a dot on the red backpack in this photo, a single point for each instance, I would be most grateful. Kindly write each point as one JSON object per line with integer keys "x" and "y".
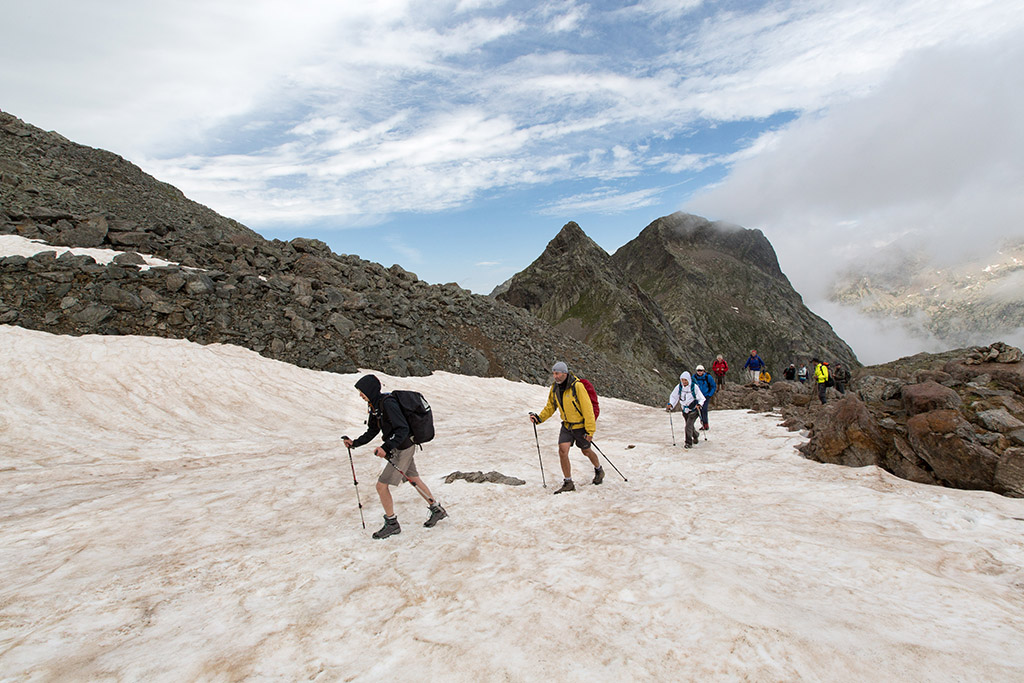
{"x": 591, "y": 391}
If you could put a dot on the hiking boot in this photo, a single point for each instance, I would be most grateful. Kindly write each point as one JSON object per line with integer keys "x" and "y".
{"x": 688, "y": 445}
{"x": 566, "y": 486}
{"x": 390, "y": 528}
{"x": 598, "y": 475}
{"x": 437, "y": 513}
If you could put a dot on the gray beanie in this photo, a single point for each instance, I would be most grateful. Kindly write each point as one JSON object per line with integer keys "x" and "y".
{"x": 560, "y": 367}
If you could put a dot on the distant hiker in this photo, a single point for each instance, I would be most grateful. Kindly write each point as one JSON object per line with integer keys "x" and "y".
{"x": 707, "y": 386}
{"x": 754, "y": 365}
{"x": 385, "y": 415}
{"x": 802, "y": 374}
{"x": 821, "y": 376}
{"x": 688, "y": 398}
{"x": 841, "y": 378}
{"x": 789, "y": 374}
{"x": 720, "y": 367}
{"x": 572, "y": 400}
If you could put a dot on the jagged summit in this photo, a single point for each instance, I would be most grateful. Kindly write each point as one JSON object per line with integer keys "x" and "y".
{"x": 684, "y": 290}
{"x": 575, "y": 286}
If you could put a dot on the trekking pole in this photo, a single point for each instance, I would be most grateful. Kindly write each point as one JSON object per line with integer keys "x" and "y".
{"x": 416, "y": 486}
{"x": 355, "y": 482}
{"x": 673, "y": 427}
{"x": 609, "y": 461}
{"x": 539, "y": 458}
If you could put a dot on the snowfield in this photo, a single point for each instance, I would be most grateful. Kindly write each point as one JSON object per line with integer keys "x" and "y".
{"x": 175, "y": 512}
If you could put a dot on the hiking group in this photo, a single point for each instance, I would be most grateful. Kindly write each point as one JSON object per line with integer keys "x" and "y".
{"x": 823, "y": 374}
{"x": 404, "y": 421}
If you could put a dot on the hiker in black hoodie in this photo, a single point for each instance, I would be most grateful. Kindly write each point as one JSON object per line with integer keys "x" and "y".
{"x": 385, "y": 415}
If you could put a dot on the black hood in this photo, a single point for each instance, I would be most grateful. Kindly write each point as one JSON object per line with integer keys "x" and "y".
{"x": 370, "y": 386}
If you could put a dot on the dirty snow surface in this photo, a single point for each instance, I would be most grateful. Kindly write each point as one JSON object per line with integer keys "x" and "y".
{"x": 175, "y": 512}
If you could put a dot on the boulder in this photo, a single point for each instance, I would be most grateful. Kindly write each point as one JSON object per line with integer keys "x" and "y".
{"x": 998, "y": 420}
{"x": 343, "y": 325}
{"x": 929, "y": 396}
{"x": 129, "y": 258}
{"x": 93, "y": 315}
{"x": 1010, "y": 473}
{"x": 88, "y": 233}
{"x": 875, "y": 389}
{"x": 198, "y": 284}
{"x": 174, "y": 281}
{"x": 120, "y": 299}
{"x": 945, "y": 440}
{"x": 847, "y": 435}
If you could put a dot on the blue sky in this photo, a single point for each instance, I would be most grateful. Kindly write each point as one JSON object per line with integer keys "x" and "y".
{"x": 457, "y": 136}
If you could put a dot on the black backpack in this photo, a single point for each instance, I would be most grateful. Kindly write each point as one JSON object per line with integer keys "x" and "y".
{"x": 417, "y": 413}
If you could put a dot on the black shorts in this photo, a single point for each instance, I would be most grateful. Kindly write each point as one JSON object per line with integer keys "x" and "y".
{"x": 576, "y": 436}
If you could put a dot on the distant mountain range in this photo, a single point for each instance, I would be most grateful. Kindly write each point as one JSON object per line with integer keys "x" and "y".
{"x": 684, "y": 290}
{"x": 967, "y": 304}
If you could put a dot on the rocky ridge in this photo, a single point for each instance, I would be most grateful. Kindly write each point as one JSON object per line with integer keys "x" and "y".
{"x": 294, "y": 301}
{"x": 684, "y": 290}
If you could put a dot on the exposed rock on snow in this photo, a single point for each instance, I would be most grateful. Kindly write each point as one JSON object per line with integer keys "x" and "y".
{"x": 182, "y": 512}
{"x": 481, "y": 478}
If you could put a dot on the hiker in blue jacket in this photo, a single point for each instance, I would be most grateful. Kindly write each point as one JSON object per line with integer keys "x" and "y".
{"x": 706, "y": 383}
{"x": 755, "y": 365}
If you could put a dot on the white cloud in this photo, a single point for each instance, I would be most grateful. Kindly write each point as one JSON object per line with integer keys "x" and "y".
{"x": 928, "y": 163}
{"x": 352, "y": 111}
{"x": 604, "y": 201}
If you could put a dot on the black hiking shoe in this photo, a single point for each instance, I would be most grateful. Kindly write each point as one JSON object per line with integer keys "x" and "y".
{"x": 688, "y": 445}
{"x": 598, "y": 475}
{"x": 437, "y": 513}
{"x": 390, "y": 528}
{"x": 566, "y": 486}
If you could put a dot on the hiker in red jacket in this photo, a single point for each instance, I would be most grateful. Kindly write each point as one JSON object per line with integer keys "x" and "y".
{"x": 719, "y": 368}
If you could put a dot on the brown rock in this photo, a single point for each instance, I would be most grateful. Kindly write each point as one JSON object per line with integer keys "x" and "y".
{"x": 944, "y": 440}
{"x": 1010, "y": 473}
{"x": 999, "y": 420}
{"x": 847, "y": 435}
{"x": 928, "y": 396}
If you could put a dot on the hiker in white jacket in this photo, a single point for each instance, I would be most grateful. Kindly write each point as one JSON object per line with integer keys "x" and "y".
{"x": 688, "y": 398}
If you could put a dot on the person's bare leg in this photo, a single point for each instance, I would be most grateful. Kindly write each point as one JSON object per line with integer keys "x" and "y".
{"x": 423, "y": 487}
{"x": 589, "y": 452}
{"x": 384, "y": 491}
{"x": 563, "y": 459}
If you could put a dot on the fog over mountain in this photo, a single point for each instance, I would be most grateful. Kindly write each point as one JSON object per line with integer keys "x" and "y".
{"x": 883, "y": 208}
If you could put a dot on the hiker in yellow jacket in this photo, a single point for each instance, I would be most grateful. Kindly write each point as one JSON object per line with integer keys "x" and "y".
{"x": 821, "y": 376}
{"x": 570, "y": 398}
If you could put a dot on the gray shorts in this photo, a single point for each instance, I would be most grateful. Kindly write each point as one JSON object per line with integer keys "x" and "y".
{"x": 404, "y": 460}
{"x": 576, "y": 436}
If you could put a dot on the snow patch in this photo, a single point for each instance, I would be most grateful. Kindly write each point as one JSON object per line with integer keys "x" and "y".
{"x": 16, "y": 245}
{"x": 174, "y": 512}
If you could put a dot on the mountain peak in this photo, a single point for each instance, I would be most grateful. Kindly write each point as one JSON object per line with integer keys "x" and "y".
{"x": 572, "y": 240}
{"x": 688, "y": 231}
